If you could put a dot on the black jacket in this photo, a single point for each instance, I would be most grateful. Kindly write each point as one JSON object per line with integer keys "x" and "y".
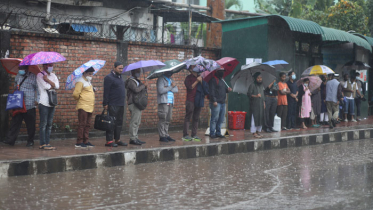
{"x": 218, "y": 91}
{"x": 114, "y": 90}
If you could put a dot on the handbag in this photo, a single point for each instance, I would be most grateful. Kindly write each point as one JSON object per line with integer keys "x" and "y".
{"x": 52, "y": 96}
{"x": 104, "y": 122}
{"x": 16, "y": 101}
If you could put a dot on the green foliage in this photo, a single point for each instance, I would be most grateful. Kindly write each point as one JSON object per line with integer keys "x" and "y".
{"x": 231, "y": 3}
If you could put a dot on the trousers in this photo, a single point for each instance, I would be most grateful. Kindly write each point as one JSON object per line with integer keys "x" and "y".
{"x": 165, "y": 116}
{"x": 117, "y": 112}
{"x": 84, "y": 119}
{"x": 15, "y": 125}
{"x": 135, "y": 121}
{"x": 191, "y": 112}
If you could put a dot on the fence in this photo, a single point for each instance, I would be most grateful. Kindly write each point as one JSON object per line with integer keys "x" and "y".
{"x": 14, "y": 18}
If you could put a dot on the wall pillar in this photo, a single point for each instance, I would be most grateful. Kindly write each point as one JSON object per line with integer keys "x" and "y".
{"x": 214, "y": 30}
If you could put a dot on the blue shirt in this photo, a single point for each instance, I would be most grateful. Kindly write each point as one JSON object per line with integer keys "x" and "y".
{"x": 29, "y": 87}
{"x": 170, "y": 94}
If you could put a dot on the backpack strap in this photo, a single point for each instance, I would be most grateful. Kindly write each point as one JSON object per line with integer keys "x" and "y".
{"x": 18, "y": 86}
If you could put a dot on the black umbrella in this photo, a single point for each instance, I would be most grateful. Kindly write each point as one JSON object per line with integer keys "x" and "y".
{"x": 356, "y": 65}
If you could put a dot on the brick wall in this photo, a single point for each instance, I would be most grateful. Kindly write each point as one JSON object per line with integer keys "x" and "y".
{"x": 79, "y": 50}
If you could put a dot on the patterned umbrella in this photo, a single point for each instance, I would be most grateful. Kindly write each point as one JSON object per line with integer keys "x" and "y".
{"x": 145, "y": 66}
{"x": 172, "y": 65}
{"x": 42, "y": 58}
{"x": 11, "y": 65}
{"x": 202, "y": 64}
{"x": 318, "y": 70}
{"x": 229, "y": 64}
{"x": 71, "y": 79}
{"x": 315, "y": 82}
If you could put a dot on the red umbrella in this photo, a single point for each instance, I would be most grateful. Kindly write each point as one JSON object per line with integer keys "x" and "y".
{"x": 229, "y": 64}
{"x": 11, "y": 65}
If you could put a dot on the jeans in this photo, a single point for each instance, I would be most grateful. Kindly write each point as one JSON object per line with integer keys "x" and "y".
{"x": 270, "y": 111}
{"x": 165, "y": 116}
{"x": 350, "y": 107}
{"x": 117, "y": 112}
{"x": 217, "y": 118}
{"x": 46, "y": 118}
{"x": 84, "y": 120}
{"x": 191, "y": 112}
{"x": 15, "y": 125}
{"x": 292, "y": 110}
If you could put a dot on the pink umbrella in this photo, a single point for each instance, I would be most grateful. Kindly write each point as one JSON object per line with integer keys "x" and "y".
{"x": 229, "y": 64}
{"x": 11, "y": 65}
{"x": 315, "y": 82}
{"x": 42, "y": 58}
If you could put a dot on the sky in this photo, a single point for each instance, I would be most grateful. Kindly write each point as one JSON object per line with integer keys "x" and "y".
{"x": 247, "y": 5}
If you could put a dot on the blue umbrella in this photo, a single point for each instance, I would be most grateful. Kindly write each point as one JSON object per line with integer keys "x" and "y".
{"x": 278, "y": 64}
{"x": 145, "y": 66}
{"x": 71, "y": 79}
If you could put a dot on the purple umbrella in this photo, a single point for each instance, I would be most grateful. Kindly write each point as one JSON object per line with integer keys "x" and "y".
{"x": 148, "y": 65}
{"x": 42, "y": 58}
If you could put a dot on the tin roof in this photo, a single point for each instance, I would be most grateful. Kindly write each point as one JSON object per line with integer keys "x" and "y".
{"x": 331, "y": 34}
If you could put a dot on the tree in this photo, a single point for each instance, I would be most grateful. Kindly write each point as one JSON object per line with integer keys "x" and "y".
{"x": 369, "y": 13}
{"x": 231, "y": 3}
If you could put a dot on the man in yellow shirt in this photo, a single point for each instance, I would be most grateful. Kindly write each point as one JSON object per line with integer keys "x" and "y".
{"x": 85, "y": 96}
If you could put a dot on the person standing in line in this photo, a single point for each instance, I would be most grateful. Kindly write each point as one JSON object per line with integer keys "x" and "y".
{"x": 46, "y": 80}
{"x": 324, "y": 111}
{"x": 271, "y": 105}
{"x": 257, "y": 104}
{"x": 25, "y": 81}
{"x": 349, "y": 90}
{"x": 333, "y": 97}
{"x": 134, "y": 86}
{"x": 304, "y": 101}
{"x": 166, "y": 88}
{"x": 85, "y": 96}
{"x": 282, "y": 102}
{"x": 218, "y": 94}
{"x": 292, "y": 99}
{"x": 316, "y": 106}
{"x": 114, "y": 95}
{"x": 196, "y": 90}
{"x": 359, "y": 95}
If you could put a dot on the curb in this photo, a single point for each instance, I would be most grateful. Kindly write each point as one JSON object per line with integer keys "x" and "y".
{"x": 110, "y": 159}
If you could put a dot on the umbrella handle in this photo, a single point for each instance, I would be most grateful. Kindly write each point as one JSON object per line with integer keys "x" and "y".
{"x": 225, "y": 83}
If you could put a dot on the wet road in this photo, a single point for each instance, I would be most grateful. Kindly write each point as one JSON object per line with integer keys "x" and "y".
{"x": 329, "y": 176}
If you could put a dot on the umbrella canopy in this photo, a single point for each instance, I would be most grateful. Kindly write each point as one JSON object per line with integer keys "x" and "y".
{"x": 229, "y": 64}
{"x": 241, "y": 80}
{"x": 11, "y": 65}
{"x": 172, "y": 65}
{"x": 318, "y": 70}
{"x": 315, "y": 82}
{"x": 145, "y": 66}
{"x": 356, "y": 65}
{"x": 42, "y": 58}
{"x": 202, "y": 64}
{"x": 77, "y": 73}
{"x": 278, "y": 64}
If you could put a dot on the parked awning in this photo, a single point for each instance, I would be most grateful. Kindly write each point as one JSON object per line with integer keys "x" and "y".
{"x": 335, "y": 35}
{"x": 83, "y": 28}
{"x": 296, "y": 25}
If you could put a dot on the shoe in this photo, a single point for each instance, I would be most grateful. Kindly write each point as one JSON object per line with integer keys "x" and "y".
{"x": 196, "y": 138}
{"x": 273, "y": 130}
{"x": 353, "y": 120}
{"x": 30, "y": 144}
{"x": 346, "y": 120}
{"x": 187, "y": 138}
{"x": 135, "y": 142}
{"x": 284, "y": 129}
{"x": 142, "y": 142}
{"x": 163, "y": 139}
{"x": 9, "y": 143}
{"x": 268, "y": 130}
{"x": 120, "y": 143}
{"x": 213, "y": 136}
{"x": 296, "y": 128}
{"x": 170, "y": 139}
{"x": 220, "y": 136}
{"x": 80, "y": 145}
{"x": 89, "y": 144}
{"x": 331, "y": 127}
{"x": 333, "y": 123}
{"x": 316, "y": 126}
{"x": 111, "y": 144}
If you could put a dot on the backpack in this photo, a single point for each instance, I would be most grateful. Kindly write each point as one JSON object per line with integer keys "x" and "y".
{"x": 140, "y": 99}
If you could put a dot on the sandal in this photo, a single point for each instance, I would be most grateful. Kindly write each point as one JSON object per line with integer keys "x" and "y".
{"x": 47, "y": 147}
{"x": 256, "y": 135}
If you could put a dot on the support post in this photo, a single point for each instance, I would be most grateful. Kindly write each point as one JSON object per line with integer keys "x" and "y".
{"x": 190, "y": 25}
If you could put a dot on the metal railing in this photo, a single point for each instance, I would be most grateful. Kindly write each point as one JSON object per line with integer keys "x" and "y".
{"x": 13, "y": 18}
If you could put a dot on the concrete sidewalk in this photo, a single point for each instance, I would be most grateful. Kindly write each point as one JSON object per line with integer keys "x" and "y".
{"x": 20, "y": 160}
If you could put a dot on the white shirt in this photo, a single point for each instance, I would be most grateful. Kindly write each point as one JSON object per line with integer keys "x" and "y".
{"x": 44, "y": 86}
{"x": 352, "y": 87}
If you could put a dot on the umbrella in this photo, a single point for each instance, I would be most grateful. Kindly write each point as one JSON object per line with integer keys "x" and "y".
{"x": 145, "y": 66}
{"x": 242, "y": 79}
{"x": 229, "y": 64}
{"x": 77, "y": 73}
{"x": 202, "y": 64}
{"x": 11, "y": 65}
{"x": 356, "y": 65}
{"x": 42, "y": 58}
{"x": 171, "y": 65}
{"x": 318, "y": 70}
{"x": 278, "y": 64}
{"x": 315, "y": 82}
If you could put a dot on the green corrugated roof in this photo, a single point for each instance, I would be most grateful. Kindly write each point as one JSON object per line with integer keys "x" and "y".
{"x": 298, "y": 25}
{"x": 369, "y": 40}
{"x": 331, "y": 34}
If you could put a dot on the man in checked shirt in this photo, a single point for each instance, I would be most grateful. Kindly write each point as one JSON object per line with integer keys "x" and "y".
{"x": 30, "y": 90}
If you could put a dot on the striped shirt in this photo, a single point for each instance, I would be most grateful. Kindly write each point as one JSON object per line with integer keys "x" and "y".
{"x": 29, "y": 87}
